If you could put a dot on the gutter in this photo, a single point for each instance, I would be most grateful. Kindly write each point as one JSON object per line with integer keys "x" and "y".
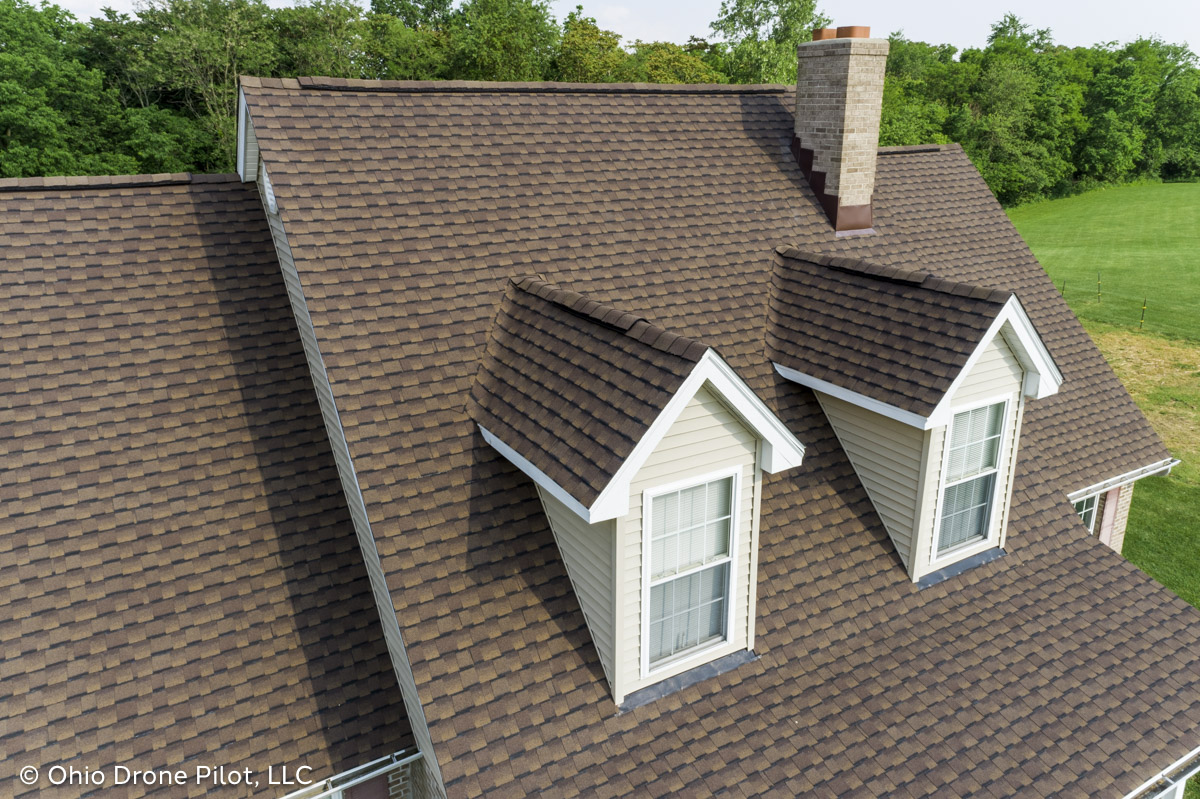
{"x": 1172, "y": 777}
{"x": 333, "y": 787}
{"x": 1160, "y": 467}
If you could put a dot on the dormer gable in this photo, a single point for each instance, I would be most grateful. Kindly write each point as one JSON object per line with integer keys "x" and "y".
{"x": 647, "y": 451}
{"x": 577, "y": 395}
{"x": 924, "y": 382}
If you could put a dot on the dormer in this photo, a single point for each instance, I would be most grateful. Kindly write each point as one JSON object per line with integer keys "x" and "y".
{"x": 647, "y": 451}
{"x": 924, "y": 381}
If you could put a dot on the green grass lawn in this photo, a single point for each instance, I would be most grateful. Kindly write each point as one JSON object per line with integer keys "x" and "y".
{"x": 1143, "y": 239}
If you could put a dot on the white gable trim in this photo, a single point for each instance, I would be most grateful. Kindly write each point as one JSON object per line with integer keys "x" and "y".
{"x": 1042, "y": 377}
{"x": 780, "y": 449}
{"x": 854, "y": 398}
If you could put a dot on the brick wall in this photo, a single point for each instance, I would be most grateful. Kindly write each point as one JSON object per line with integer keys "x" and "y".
{"x": 1117, "y": 540}
{"x": 839, "y": 96}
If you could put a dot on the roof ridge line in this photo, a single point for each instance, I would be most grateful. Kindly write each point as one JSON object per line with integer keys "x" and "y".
{"x": 67, "y": 182}
{"x": 623, "y": 322}
{"x": 317, "y": 83}
{"x": 895, "y": 274}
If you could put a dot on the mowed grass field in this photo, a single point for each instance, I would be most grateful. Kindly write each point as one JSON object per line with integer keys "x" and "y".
{"x": 1144, "y": 241}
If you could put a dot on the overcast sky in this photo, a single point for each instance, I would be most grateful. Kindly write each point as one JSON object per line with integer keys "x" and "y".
{"x": 962, "y": 23}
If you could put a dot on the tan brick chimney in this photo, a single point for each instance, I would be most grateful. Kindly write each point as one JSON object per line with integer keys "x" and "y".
{"x": 839, "y": 94}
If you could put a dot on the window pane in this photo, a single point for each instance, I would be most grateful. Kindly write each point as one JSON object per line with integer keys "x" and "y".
{"x": 966, "y": 512}
{"x": 688, "y": 611}
{"x": 690, "y": 527}
{"x": 974, "y": 442}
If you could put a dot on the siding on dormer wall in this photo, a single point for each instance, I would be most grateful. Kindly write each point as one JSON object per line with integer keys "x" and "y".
{"x": 706, "y": 438}
{"x": 886, "y": 455}
{"x": 587, "y": 552}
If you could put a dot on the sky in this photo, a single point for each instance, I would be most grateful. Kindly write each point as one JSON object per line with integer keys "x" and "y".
{"x": 962, "y": 23}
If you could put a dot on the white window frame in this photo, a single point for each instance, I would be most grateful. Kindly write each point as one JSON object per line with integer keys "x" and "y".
{"x": 992, "y": 540}
{"x": 703, "y": 652}
{"x": 1095, "y": 498}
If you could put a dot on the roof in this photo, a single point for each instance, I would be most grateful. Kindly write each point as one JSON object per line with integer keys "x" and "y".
{"x": 180, "y": 583}
{"x": 574, "y": 385}
{"x": 895, "y": 335}
{"x": 998, "y": 682}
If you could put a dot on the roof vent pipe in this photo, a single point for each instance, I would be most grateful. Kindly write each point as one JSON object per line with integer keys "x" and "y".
{"x": 839, "y": 96}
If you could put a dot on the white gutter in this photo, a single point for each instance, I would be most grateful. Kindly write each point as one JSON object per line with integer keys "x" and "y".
{"x": 1185, "y": 768}
{"x": 333, "y": 786}
{"x": 1161, "y": 467}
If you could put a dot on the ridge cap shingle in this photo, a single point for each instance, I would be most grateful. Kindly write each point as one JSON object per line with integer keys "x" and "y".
{"x": 65, "y": 182}
{"x": 628, "y": 324}
{"x": 894, "y": 274}
{"x": 322, "y": 83}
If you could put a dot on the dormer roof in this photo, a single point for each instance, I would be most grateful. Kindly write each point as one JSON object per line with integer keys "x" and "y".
{"x": 576, "y": 394}
{"x": 895, "y": 341}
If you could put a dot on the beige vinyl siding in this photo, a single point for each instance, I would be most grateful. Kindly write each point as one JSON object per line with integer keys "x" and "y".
{"x": 358, "y": 512}
{"x": 996, "y": 373}
{"x": 587, "y": 552}
{"x": 886, "y": 455}
{"x": 706, "y": 438}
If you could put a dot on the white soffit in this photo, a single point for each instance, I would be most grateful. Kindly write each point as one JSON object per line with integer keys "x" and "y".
{"x": 1042, "y": 377}
{"x": 780, "y": 451}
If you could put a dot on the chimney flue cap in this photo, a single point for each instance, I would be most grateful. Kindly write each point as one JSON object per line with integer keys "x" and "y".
{"x": 820, "y": 34}
{"x": 854, "y": 32}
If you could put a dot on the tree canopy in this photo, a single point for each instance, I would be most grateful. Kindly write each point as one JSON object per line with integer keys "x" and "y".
{"x": 156, "y": 90}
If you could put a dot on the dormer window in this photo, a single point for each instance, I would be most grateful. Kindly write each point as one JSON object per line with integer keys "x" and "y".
{"x": 924, "y": 381}
{"x": 690, "y": 533}
{"x": 972, "y": 465}
{"x": 648, "y": 451}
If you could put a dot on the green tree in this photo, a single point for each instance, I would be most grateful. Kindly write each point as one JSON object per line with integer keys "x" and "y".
{"x": 664, "y": 62}
{"x": 392, "y": 50}
{"x": 513, "y": 40}
{"x": 762, "y": 37}
{"x": 56, "y": 115}
{"x": 320, "y": 37}
{"x": 416, "y": 13}
{"x": 200, "y": 50}
{"x": 588, "y": 54}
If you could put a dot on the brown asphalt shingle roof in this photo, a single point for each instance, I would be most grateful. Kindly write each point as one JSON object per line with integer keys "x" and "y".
{"x": 180, "y": 583}
{"x": 894, "y": 335}
{"x": 409, "y": 211}
{"x": 573, "y": 385}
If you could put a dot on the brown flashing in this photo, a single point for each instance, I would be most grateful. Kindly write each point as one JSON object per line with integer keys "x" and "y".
{"x": 845, "y": 218}
{"x": 854, "y": 32}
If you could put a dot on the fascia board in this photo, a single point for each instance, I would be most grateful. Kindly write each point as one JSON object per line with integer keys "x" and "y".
{"x": 537, "y": 475}
{"x": 781, "y": 449}
{"x": 854, "y": 398}
{"x": 1132, "y": 476}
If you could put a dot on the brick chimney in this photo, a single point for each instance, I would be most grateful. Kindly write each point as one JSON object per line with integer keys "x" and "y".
{"x": 839, "y": 94}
